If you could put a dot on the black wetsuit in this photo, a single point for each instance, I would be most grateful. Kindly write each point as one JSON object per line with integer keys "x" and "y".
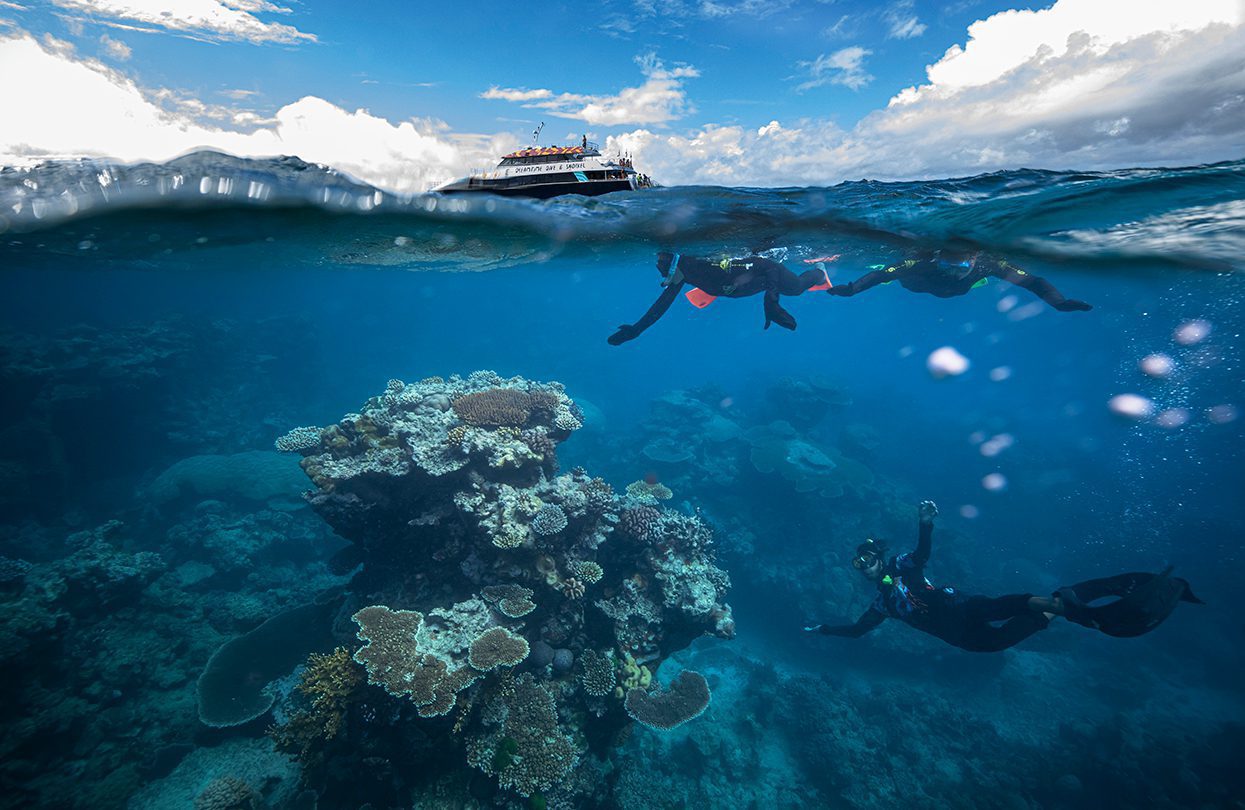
{"x": 947, "y": 279}
{"x": 958, "y": 619}
{"x": 729, "y": 278}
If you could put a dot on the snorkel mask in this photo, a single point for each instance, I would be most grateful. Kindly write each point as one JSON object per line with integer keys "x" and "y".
{"x": 868, "y": 553}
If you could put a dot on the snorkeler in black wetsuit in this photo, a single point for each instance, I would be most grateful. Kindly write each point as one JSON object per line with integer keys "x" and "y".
{"x": 964, "y": 621}
{"x": 946, "y": 276}
{"x": 729, "y": 278}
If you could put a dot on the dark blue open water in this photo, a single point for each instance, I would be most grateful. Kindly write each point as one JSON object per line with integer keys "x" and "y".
{"x": 160, "y": 327}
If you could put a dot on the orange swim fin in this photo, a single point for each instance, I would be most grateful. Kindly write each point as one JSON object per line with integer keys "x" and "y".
{"x": 825, "y": 285}
{"x": 821, "y": 259}
{"x": 699, "y": 298}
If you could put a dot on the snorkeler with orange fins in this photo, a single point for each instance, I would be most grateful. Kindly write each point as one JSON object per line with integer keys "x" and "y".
{"x": 942, "y": 274}
{"x": 727, "y": 278}
{"x": 1139, "y": 602}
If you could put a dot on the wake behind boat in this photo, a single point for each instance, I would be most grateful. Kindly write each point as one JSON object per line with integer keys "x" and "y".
{"x": 551, "y": 171}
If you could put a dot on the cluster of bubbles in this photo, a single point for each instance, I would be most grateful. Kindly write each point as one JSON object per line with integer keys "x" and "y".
{"x": 1161, "y": 366}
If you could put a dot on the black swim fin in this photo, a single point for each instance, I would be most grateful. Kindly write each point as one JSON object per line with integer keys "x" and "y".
{"x": 774, "y": 313}
{"x": 1145, "y": 601}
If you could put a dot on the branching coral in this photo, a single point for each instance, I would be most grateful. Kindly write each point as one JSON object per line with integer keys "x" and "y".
{"x": 566, "y": 420}
{"x": 551, "y": 519}
{"x": 539, "y": 443}
{"x": 331, "y": 683}
{"x": 497, "y": 647}
{"x": 686, "y": 699}
{"x": 495, "y": 407}
{"x": 298, "y": 440}
{"x": 586, "y": 570}
{"x": 599, "y": 496}
{"x": 544, "y": 405}
{"x": 536, "y": 753}
{"x": 596, "y": 673}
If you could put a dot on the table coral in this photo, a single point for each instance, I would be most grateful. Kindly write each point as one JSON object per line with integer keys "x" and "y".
{"x": 494, "y": 407}
{"x": 687, "y": 698}
{"x": 497, "y": 647}
{"x": 514, "y": 601}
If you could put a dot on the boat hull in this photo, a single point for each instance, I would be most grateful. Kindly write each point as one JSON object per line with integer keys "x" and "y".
{"x": 542, "y": 191}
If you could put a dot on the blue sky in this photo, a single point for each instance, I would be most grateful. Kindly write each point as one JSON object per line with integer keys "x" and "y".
{"x": 748, "y": 90}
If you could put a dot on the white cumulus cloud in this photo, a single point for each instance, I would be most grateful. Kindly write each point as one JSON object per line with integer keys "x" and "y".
{"x": 208, "y": 19}
{"x": 661, "y": 98}
{"x": 1082, "y": 84}
{"x": 1069, "y": 86}
{"x": 101, "y": 112}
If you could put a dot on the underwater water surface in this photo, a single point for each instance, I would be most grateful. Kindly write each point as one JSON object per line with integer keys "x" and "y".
{"x": 462, "y": 582}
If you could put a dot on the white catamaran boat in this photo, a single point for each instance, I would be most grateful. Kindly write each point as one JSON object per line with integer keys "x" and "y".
{"x": 553, "y": 170}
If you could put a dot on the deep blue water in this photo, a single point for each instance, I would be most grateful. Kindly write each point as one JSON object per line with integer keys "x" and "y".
{"x": 142, "y": 327}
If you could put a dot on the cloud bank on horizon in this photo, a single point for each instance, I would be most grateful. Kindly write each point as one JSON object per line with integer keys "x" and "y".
{"x": 1077, "y": 85}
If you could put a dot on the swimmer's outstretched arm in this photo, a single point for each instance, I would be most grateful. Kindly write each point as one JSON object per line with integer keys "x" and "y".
{"x": 928, "y": 510}
{"x": 870, "y": 620}
{"x": 1038, "y": 286}
{"x": 632, "y": 331}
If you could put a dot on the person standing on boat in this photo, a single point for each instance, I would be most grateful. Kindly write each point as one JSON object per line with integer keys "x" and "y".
{"x": 728, "y": 278}
{"x": 947, "y": 275}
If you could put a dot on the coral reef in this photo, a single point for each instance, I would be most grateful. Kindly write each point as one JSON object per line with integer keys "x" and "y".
{"x": 478, "y": 561}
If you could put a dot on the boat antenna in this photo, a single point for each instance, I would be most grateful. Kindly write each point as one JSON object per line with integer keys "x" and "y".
{"x": 536, "y": 133}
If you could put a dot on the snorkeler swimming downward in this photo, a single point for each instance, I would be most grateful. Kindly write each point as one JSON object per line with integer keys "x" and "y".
{"x": 729, "y": 278}
{"x": 966, "y": 621}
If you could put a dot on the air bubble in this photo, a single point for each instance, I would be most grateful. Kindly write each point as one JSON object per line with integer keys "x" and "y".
{"x": 946, "y": 362}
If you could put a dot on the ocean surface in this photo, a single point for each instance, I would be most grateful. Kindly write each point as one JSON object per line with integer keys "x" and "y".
{"x": 192, "y": 618}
